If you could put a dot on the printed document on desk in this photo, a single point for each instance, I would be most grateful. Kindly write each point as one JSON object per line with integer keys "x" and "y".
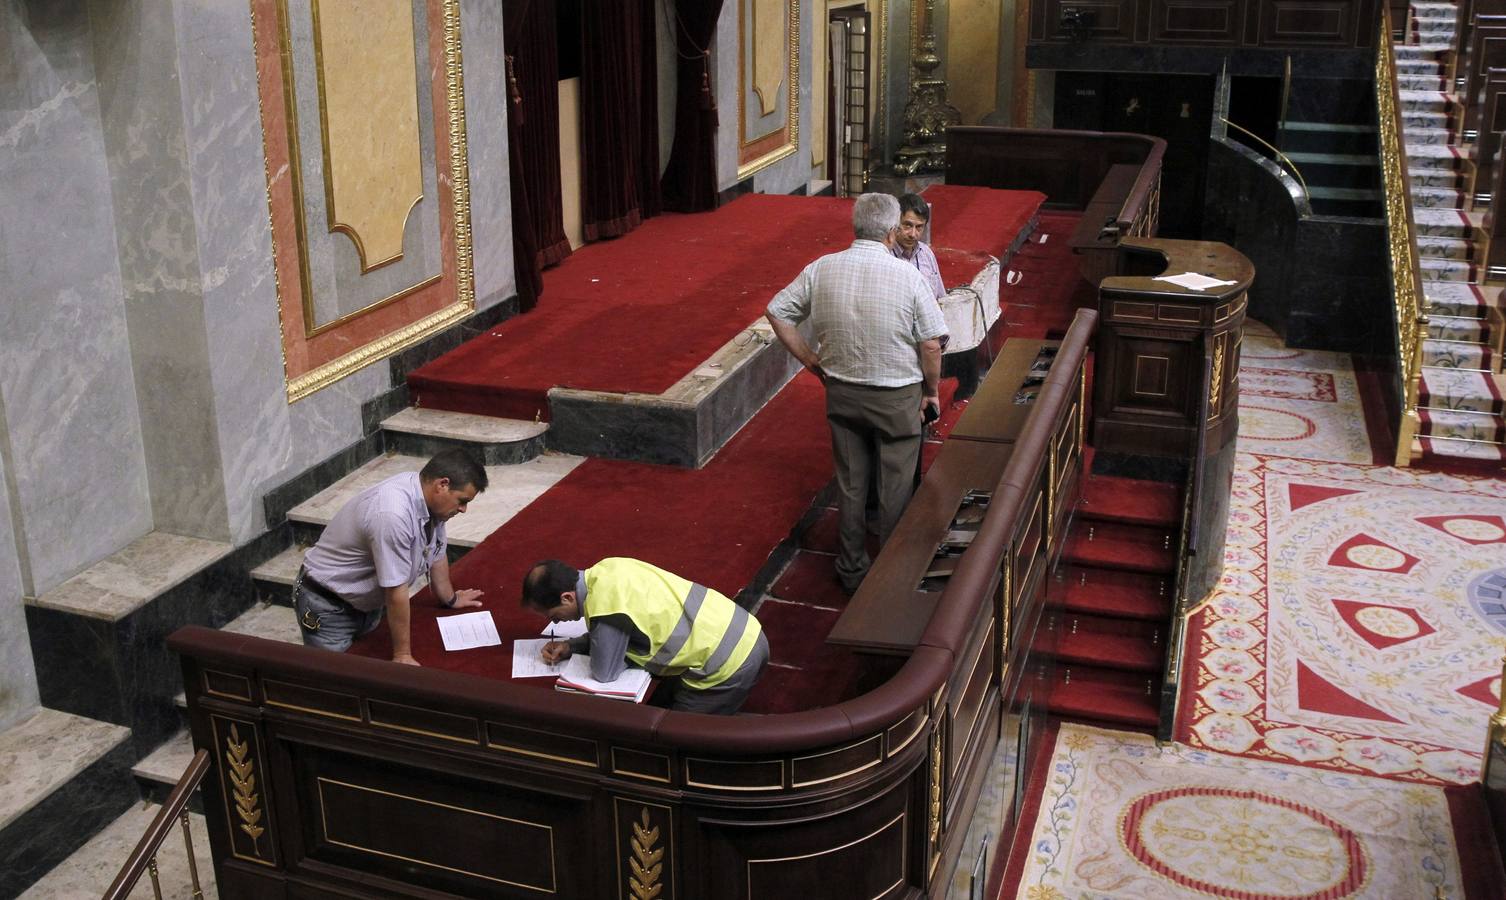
{"x": 631, "y": 685}
{"x": 468, "y": 631}
{"x": 527, "y": 663}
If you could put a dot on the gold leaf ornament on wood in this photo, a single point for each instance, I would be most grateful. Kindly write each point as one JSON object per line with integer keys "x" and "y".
{"x": 243, "y": 783}
{"x": 646, "y": 865}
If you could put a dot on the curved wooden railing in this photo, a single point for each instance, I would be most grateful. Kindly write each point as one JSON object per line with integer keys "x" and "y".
{"x": 359, "y": 772}
{"x": 143, "y": 859}
{"x": 1406, "y": 275}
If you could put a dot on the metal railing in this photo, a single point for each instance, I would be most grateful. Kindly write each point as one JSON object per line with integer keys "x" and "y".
{"x": 1401, "y": 232}
{"x": 143, "y": 859}
{"x": 1281, "y": 158}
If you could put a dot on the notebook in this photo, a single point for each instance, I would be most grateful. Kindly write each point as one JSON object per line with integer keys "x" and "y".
{"x": 631, "y": 685}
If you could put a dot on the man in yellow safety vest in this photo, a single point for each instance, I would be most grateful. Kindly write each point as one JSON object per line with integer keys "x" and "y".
{"x": 639, "y": 613}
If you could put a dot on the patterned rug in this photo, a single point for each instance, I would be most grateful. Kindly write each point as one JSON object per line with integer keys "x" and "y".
{"x": 1302, "y": 403}
{"x": 1360, "y": 622}
{"x": 1122, "y": 818}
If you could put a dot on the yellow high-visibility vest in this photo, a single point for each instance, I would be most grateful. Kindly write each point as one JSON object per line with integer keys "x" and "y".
{"x": 692, "y": 630}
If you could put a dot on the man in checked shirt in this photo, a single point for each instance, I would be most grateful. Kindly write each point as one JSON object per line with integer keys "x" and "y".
{"x": 879, "y": 333}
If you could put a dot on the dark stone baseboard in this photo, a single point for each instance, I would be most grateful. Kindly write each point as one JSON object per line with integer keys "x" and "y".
{"x": 121, "y": 671}
{"x": 48, "y": 833}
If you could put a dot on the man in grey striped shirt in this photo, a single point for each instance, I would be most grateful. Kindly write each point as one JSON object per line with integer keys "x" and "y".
{"x": 879, "y": 332}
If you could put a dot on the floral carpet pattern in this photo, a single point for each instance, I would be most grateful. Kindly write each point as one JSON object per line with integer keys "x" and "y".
{"x": 1123, "y": 818}
{"x": 1303, "y": 403}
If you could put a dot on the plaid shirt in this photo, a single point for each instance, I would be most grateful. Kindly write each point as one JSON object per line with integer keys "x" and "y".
{"x": 869, "y": 312}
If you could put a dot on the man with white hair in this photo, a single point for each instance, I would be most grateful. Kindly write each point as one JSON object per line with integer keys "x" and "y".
{"x": 879, "y": 332}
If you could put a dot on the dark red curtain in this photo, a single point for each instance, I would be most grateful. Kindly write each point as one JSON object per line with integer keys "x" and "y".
{"x": 533, "y": 142}
{"x": 619, "y": 117}
{"x": 689, "y": 183}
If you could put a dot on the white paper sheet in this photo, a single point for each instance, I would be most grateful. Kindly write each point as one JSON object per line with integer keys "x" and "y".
{"x": 526, "y": 662}
{"x": 1193, "y": 281}
{"x": 564, "y": 631}
{"x": 468, "y": 631}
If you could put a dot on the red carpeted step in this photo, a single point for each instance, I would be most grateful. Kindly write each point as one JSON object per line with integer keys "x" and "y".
{"x": 1117, "y": 644}
{"x": 1116, "y": 545}
{"x": 1112, "y": 592}
{"x": 1133, "y": 500}
{"x": 1095, "y": 695}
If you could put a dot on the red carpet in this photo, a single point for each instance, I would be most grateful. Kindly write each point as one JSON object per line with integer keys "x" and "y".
{"x": 673, "y": 291}
{"x": 716, "y": 525}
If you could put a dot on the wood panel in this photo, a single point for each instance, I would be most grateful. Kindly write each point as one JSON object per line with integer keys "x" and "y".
{"x": 1486, "y": 153}
{"x": 1102, "y": 20}
{"x": 1303, "y": 23}
{"x": 1203, "y": 22}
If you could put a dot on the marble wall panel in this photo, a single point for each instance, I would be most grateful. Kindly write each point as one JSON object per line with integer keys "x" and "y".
{"x": 79, "y": 466}
{"x": 264, "y": 440}
{"x": 18, "y": 678}
{"x": 141, "y": 107}
{"x": 793, "y": 171}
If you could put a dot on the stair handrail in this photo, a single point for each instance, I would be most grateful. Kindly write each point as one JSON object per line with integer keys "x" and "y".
{"x": 143, "y": 858}
{"x": 1280, "y": 157}
{"x": 1401, "y": 233}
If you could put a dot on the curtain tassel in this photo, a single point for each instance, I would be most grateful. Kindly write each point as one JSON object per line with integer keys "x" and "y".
{"x": 514, "y": 95}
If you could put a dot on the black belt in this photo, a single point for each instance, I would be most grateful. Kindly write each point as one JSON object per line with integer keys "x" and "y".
{"x": 308, "y": 581}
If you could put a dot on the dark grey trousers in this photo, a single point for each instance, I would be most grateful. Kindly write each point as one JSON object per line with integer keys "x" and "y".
{"x": 875, "y": 434}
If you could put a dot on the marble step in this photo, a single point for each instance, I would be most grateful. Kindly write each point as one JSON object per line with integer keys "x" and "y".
{"x": 496, "y": 442}
{"x": 1419, "y": 82}
{"x": 1426, "y": 119}
{"x": 1426, "y": 10}
{"x": 1462, "y": 389}
{"x": 90, "y": 869}
{"x": 1463, "y": 300}
{"x": 158, "y": 772}
{"x": 1436, "y": 198}
{"x": 1417, "y": 134}
{"x": 127, "y": 580}
{"x": 1454, "y": 223}
{"x": 274, "y": 578}
{"x": 1325, "y": 137}
{"x": 1435, "y": 247}
{"x": 1456, "y": 354}
{"x": 65, "y": 778}
{"x": 1416, "y": 65}
{"x": 1430, "y": 51}
{"x": 272, "y": 621}
{"x": 1457, "y": 328}
{"x": 1453, "y": 448}
{"x": 1434, "y": 156}
{"x": 1446, "y": 179}
{"x": 1419, "y": 101}
{"x": 1447, "y": 269}
{"x": 1462, "y": 425}
{"x": 512, "y": 487}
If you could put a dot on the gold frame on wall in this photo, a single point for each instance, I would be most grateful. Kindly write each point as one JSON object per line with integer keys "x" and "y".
{"x": 313, "y": 356}
{"x": 791, "y": 127}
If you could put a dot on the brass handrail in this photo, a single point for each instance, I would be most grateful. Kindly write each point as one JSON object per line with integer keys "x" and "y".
{"x": 1281, "y": 157}
{"x": 144, "y": 857}
{"x": 1401, "y": 231}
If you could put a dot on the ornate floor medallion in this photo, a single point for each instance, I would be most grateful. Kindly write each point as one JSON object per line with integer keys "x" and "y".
{"x": 1241, "y": 843}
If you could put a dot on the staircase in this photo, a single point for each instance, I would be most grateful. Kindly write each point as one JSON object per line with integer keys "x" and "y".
{"x": 86, "y": 775}
{"x": 1460, "y": 397}
{"x": 1114, "y": 591}
{"x": 1340, "y": 166}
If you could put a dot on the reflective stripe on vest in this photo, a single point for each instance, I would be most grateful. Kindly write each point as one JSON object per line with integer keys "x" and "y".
{"x": 693, "y": 631}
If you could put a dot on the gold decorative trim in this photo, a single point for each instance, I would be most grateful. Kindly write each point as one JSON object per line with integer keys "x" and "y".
{"x": 465, "y": 288}
{"x": 324, "y": 824}
{"x": 879, "y": 757}
{"x": 281, "y": 704}
{"x": 238, "y": 752}
{"x": 920, "y": 726}
{"x": 748, "y": 866}
{"x": 537, "y": 754}
{"x": 626, "y": 874}
{"x": 1165, "y": 378}
{"x": 473, "y": 741}
{"x": 691, "y": 782}
{"x": 792, "y": 142}
{"x": 209, "y": 689}
{"x": 378, "y": 304}
{"x": 619, "y": 770}
{"x": 1216, "y": 383}
{"x": 336, "y": 369}
{"x": 242, "y": 774}
{"x": 933, "y": 808}
{"x": 646, "y": 864}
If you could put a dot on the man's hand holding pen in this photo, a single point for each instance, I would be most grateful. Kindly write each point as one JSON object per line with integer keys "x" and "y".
{"x": 555, "y": 651}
